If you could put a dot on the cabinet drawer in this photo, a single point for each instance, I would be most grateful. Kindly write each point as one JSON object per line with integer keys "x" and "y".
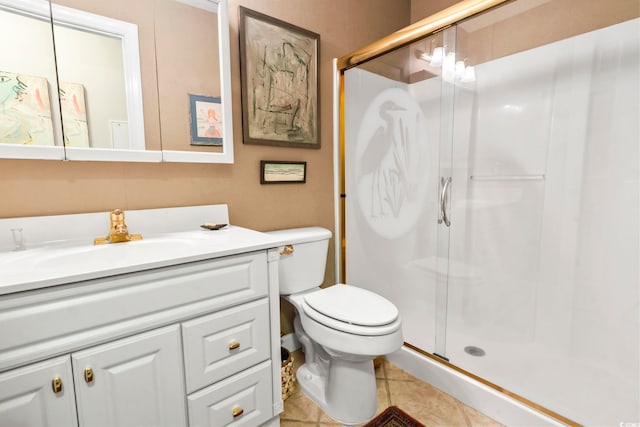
{"x": 219, "y": 345}
{"x": 248, "y": 391}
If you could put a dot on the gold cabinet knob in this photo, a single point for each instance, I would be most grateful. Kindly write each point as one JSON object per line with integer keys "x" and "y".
{"x": 287, "y": 250}
{"x": 88, "y": 375}
{"x": 237, "y": 411}
{"x": 56, "y": 384}
{"x": 233, "y": 345}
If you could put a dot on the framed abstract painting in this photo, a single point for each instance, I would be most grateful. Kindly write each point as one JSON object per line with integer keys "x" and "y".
{"x": 280, "y": 87}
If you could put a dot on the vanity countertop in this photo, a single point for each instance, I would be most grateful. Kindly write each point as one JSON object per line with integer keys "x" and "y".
{"x": 73, "y": 261}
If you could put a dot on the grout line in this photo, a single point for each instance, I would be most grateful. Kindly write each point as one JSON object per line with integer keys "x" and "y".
{"x": 460, "y": 406}
{"x": 386, "y": 382}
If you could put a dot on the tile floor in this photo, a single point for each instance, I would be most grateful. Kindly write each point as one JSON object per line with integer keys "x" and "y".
{"x": 396, "y": 387}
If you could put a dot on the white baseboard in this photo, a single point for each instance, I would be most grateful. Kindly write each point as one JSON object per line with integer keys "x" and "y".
{"x": 290, "y": 342}
{"x": 481, "y": 397}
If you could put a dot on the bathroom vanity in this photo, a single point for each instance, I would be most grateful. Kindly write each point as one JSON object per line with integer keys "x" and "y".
{"x": 179, "y": 328}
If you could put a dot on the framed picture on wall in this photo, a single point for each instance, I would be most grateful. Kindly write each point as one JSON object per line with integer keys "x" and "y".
{"x": 282, "y": 172}
{"x": 206, "y": 120}
{"x": 280, "y": 87}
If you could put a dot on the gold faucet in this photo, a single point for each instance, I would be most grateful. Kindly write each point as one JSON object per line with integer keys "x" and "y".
{"x": 117, "y": 230}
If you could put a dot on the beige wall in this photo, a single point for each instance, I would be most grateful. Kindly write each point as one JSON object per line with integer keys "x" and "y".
{"x": 50, "y": 187}
{"x": 30, "y": 187}
{"x": 423, "y": 8}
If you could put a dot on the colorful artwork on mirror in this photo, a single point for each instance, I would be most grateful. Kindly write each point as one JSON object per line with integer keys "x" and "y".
{"x": 25, "y": 110}
{"x": 74, "y": 115}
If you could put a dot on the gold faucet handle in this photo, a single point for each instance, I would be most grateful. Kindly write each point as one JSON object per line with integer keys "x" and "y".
{"x": 135, "y": 237}
{"x": 100, "y": 241}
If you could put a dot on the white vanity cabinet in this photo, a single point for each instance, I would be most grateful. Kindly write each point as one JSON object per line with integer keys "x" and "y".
{"x": 189, "y": 344}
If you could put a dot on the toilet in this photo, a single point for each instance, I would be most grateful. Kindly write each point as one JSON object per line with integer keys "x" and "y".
{"x": 342, "y": 328}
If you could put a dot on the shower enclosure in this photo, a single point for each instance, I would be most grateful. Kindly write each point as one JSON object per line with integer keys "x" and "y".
{"x": 491, "y": 191}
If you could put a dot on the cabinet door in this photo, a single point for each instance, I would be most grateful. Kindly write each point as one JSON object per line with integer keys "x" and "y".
{"x": 136, "y": 381}
{"x": 28, "y": 398}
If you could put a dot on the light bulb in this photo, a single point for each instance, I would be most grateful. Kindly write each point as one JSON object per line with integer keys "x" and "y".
{"x": 469, "y": 75}
{"x": 436, "y": 58}
{"x": 459, "y": 69}
{"x": 448, "y": 67}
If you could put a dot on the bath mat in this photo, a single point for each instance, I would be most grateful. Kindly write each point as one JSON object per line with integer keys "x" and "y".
{"x": 393, "y": 417}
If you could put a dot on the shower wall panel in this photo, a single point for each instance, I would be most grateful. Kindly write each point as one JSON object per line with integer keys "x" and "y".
{"x": 545, "y": 213}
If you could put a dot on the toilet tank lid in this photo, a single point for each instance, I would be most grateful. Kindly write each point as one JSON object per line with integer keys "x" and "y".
{"x": 302, "y": 235}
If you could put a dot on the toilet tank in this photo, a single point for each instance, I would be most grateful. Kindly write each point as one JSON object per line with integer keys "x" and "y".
{"x": 303, "y": 269}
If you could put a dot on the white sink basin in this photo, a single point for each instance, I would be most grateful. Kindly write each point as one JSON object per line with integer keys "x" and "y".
{"x": 114, "y": 253}
{"x": 66, "y": 257}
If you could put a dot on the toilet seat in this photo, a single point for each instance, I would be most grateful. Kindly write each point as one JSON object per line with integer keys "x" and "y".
{"x": 352, "y": 310}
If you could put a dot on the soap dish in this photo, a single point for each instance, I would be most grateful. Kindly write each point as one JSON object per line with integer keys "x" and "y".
{"x": 211, "y": 226}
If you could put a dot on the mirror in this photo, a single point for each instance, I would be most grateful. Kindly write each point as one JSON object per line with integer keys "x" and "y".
{"x": 29, "y": 126}
{"x": 128, "y": 75}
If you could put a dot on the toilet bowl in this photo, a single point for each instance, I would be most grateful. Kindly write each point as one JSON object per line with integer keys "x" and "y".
{"x": 342, "y": 328}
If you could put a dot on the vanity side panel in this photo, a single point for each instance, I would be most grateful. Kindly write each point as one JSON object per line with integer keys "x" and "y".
{"x": 38, "y": 324}
{"x": 273, "y": 258}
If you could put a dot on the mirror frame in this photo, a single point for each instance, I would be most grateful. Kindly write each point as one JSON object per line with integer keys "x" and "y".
{"x": 128, "y": 33}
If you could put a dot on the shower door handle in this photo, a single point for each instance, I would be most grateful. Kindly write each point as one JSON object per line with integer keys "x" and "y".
{"x": 444, "y": 200}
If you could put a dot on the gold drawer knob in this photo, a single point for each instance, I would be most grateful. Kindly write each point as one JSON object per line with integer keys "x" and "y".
{"x": 233, "y": 345}
{"x": 56, "y": 384}
{"x": 287, "y": 250}
{"x": 237, "y": 411}
{"x": 88, "y": 375}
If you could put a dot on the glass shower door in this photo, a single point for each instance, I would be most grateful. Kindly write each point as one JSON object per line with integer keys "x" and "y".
{"x": 398, "y": 113}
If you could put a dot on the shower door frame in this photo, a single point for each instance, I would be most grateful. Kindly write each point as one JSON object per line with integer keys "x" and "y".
{"x": 401, "y": 38}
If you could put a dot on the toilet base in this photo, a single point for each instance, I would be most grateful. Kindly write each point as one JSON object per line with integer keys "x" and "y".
{"x": 346, "y": 392}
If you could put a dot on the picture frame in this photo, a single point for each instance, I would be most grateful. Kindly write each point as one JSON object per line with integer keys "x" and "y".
{"x": 279, "y": 77}
{"x": 282, "y": 172}
{"x": 206, "y": 120}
